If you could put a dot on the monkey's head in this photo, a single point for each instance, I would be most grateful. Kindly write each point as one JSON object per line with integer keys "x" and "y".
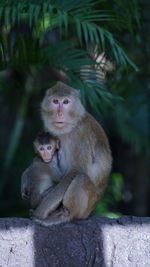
{"x": 61, "y": 109}
{"x": 45, "y": 146}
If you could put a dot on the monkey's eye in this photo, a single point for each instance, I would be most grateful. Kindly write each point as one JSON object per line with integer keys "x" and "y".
{"x": 41, "y": 148}
{"x": 66, "y": 101}
{"x": 55, "y": 101}
{"x": 49, "y": 147}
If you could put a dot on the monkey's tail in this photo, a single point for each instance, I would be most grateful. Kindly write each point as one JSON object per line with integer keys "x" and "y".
{"x": 55, "y": 218}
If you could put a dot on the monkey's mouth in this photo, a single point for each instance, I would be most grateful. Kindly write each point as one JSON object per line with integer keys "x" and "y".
{"x": 59, "y": 124}
{"x": 47, "y": 160}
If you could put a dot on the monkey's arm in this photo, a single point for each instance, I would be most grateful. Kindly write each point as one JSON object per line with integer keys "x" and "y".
{"x": 25, "y": 185}
{"x": 38, "y": 190}
{"x": 54, "y": 196}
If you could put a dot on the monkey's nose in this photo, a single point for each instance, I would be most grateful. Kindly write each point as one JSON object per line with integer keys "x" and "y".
{"x": 60, "y": 114}
{"x": 45, "y": 154}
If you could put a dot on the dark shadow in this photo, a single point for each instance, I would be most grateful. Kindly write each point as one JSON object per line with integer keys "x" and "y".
{"x": 75, "y": 244}
{"x": 92, "y": 242}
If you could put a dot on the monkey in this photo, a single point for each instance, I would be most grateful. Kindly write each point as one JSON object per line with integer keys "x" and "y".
{"x": 44, "y": 172}
{"x": 84, "y": 155}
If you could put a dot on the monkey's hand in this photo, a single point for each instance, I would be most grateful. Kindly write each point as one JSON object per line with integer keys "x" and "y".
{"x": 25, "y": 194}
{"x": 25, "y": 190}
{"x": 25, "y": 185}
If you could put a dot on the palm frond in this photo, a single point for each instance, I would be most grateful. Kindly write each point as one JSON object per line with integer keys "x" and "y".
{"x": 82, "y": 16}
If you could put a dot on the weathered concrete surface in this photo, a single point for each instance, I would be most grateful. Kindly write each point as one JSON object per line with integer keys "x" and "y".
{"x": 94, "y": 242}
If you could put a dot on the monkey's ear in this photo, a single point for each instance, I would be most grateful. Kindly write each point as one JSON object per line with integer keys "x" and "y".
{"x": 48, "y": 91}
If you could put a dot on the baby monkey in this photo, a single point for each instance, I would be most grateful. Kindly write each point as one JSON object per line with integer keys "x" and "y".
{"x": 43, "y": 174}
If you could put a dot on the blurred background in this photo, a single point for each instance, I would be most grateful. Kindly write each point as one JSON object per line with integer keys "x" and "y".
{"x": 98, "y": 46}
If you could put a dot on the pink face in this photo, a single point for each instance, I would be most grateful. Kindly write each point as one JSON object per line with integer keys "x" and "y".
{"x": 46, "y": 152}
{"x": 60, "y": 107}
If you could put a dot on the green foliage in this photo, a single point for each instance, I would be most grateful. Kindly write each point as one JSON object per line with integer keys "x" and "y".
{"x": 131, "y": 115}
{"x": 112, "y": 196}
{"x": 81, "y": 24}
{"x": 86, "y": 18}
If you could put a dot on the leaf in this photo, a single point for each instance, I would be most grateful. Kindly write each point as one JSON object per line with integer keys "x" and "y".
{"x": 14, "y": 15}
{"x": 65, "y": 22}
{"x": 79, "y": 30}
{"x": 1, "y": 12}
{"x": 7, "y": 15}
{"x": 31, "y": 14}
{"x": 85, "y": 32}
{"x": 37, "y": 12}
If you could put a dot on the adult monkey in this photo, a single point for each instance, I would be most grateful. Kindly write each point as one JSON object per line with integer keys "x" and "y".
{"x": 84, "y": 154}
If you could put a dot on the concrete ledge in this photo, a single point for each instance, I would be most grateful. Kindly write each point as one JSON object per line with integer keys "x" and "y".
{"x": 95, "y": 242}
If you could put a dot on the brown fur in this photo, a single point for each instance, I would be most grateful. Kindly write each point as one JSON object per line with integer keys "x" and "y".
{"x": 40, "y": 176}
{"x": 85, "y": 149}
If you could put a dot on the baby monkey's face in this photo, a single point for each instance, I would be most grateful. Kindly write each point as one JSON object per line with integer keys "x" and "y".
{"x": 46, "y": 151}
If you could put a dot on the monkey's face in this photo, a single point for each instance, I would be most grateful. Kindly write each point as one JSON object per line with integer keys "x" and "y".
{"x": 61, "y": 109}
{"x": 46, "y": 151}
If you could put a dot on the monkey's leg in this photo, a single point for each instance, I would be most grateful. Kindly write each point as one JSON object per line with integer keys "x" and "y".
{"x": 78, "y": 202}
{"x": 81, "y": 197}
{"x": 53, "y": 198}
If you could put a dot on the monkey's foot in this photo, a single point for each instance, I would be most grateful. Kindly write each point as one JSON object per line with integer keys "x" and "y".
{"x": 61, "y": 210}
{"x": 60, "y": 216}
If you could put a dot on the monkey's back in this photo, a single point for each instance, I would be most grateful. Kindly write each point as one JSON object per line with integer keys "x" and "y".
{"x": 86, "y": 148}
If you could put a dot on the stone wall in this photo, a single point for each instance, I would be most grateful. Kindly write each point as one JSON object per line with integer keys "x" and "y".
{"x": 95, "y": 242}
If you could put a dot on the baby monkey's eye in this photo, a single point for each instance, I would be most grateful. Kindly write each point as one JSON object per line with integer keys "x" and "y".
{"x": 66, "y": 101}
{"x": 41, "y": 148}
{"x": 55, "y": 101}
{"x": 49, "y": 147}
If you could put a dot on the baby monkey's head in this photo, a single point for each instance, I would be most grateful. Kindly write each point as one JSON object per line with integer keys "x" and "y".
{"x": 45, "y": 146}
